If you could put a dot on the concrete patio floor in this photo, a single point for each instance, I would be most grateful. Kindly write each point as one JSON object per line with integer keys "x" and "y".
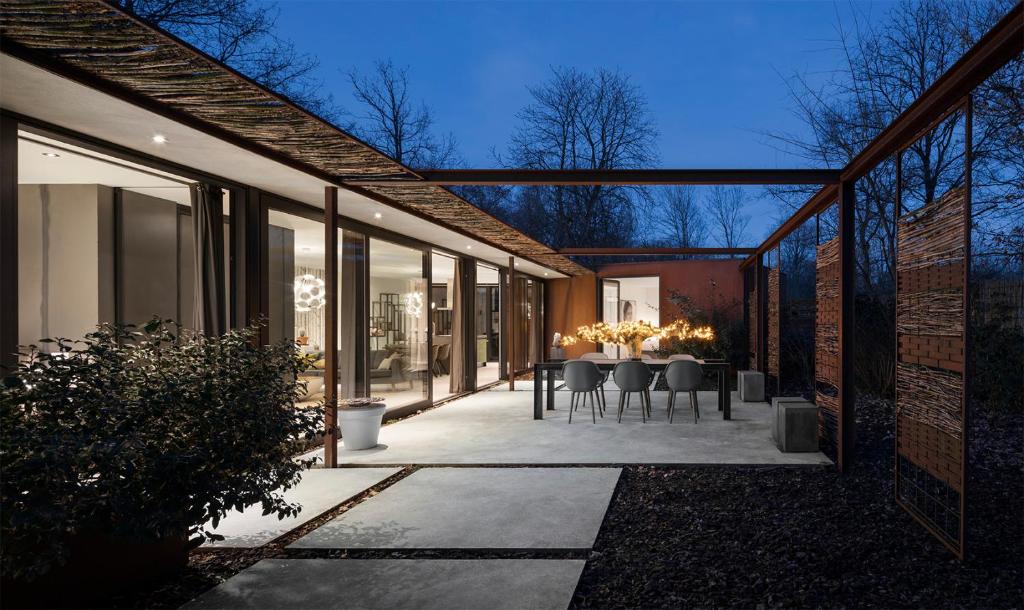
{"x": 497, "y": 427}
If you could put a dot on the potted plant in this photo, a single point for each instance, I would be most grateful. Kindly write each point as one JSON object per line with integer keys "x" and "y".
{"x": 116, "y": 450}
{"x": 360, "y": 420}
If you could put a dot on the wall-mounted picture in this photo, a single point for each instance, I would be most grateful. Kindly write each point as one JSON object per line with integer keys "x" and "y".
{"x": 627, "y": 311}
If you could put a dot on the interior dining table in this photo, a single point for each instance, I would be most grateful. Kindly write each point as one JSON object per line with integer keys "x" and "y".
{"x": 545, "y": 374}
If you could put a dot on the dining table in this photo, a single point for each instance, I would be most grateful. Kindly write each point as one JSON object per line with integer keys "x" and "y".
{"x": 546, "y": 373}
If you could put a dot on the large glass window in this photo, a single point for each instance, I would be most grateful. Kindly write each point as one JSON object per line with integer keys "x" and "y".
{"x": 488, "y": 325}
{"x": 102, "y": 239}
{"x": 400, "y": 363}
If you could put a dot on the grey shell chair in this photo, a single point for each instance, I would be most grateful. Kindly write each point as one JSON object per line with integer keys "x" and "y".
{"x": 599, "y": 356}
{"x": 583, "y": 379}
{"x": 683, "y": 376}
{"x": 633, "y": 377}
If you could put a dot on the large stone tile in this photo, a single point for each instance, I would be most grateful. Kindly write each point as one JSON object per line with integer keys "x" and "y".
{"x": 319, "y": 490}
{"x": 445, "y": 584}
{"x": 497, "y": 427}
{"x": 477, "y": 508}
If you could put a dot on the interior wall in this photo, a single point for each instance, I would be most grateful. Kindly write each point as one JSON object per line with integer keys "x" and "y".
{"x": 65, "y": 260}
{"x": 568, "y": 304}
{"x": 709, "y": 283}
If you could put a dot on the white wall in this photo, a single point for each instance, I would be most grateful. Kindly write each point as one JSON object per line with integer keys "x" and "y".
{"x": 646, "y": 292}
{"x": 65, "y": 273}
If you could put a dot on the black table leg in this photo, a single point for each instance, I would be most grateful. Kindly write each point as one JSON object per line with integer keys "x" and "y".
{"x": 551, "y": 390}
{"x": 724, "y": 395}
{"x": 538, "y": 411}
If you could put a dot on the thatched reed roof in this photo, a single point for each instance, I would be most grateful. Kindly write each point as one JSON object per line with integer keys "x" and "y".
{"x": 102, "y": 41}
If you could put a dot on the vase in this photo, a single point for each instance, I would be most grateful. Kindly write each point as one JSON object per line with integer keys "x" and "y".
{"x": 635, "y": 349}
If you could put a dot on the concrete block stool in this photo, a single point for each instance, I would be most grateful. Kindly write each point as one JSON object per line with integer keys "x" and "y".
{"x": 750, "y": 385}
{"x": 776, "y": 401}
{"x": 798, "y": 427}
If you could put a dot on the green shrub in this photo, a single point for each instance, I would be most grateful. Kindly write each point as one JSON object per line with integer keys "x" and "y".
{"x": 144, "y": 435}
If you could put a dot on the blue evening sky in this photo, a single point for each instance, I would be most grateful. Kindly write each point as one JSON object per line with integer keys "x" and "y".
{"x": 713, "y": 73}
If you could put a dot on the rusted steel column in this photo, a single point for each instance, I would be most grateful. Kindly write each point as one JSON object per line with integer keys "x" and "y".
{"x": 331, "y": 327}
{"x": 847, "y": 291}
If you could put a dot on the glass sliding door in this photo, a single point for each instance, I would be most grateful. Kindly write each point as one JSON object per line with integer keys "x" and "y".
{"x": 398, "y": 319}
{"x": 444, "y": 311}
{"x": 352, "y": 315}
{"x": 488, "y": 325}
{"x": 296, "y": 291}
{"x": 102, "y": 239}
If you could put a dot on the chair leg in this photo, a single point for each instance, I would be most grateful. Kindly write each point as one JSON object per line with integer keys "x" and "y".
{"x": 693, "y": 405}
{"x": 600, "y": 407}
{"x": 593, "y": 412}
{"x": 622, "y": 397}
{"x": 643, "y": 408}
{"x": 671, "y": 404}
{"x": 572, "y": 404}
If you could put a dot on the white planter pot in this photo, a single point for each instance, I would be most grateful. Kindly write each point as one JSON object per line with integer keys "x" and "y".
{"x": 360, "y": 427}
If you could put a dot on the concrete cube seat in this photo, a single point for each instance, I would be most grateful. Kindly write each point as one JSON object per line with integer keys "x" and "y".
{"x": 750, "y": 385}
{"x": 798, "y": 427}
{"x": 776, "y": 401}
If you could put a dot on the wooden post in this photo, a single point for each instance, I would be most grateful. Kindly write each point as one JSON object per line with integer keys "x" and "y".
{"x": 331, "y": 327}
{"x": 847, "y": 291}
{"x": 8, "y": 244}
{"x": 512, "y": 329}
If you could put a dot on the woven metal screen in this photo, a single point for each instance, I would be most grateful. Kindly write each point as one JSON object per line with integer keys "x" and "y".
{"x": 826, "y": 348}
{"x": 930, "y": 335}
{"x": 774, "y": 294}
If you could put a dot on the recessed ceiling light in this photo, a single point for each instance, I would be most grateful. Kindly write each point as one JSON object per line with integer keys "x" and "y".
{"x": 545, "y": 274}
{"x": 469, "y": 247}
{"x": 377, "y": 215}
{"x": 160, "y": 139}
{"x": 52, "y": 155}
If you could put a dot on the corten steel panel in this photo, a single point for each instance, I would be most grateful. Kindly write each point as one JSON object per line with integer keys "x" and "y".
{"x": 774, "y": 295}
{"x": 709, "y": 283}
{"x": 932, "y": 249}
{"x": 826, "y": 347}
{"x": 568, "y": 304}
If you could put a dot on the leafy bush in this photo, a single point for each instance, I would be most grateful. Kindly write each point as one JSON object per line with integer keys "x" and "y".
{"x": 724, "y": 316}
{"x": 144, "y": 435}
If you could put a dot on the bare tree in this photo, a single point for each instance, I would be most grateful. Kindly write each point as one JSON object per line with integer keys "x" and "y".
{"x": 887, "y": 67}
{"x": 241, "y": 33}
{"x": 394, "y": 123}
{"x": 681, "y": 218}
{"x": 725, "y": 207}
{"x": 580, "y": 120}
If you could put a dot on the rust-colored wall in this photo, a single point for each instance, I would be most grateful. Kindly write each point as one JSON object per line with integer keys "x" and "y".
{"x": 568, "y": 304}
{"x": 707, "y": 282}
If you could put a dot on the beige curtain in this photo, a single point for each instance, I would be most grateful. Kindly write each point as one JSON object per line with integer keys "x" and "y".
{"x": 208, "y": 252}
{"x": 457, "y": 379}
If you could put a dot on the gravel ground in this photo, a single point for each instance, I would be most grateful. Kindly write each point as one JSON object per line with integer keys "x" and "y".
{"x": 760, "y": 537}
{"x": 807, "y": 537}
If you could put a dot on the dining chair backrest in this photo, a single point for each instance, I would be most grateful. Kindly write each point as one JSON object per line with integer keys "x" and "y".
{"x": 445, "y": 350}
{"x": 683, "y": 375}
{"x": 594, "y": 356}
{"x": 681, "y": 357}
{"x": 632, "y": 376}
{"x": 581, "y": 375}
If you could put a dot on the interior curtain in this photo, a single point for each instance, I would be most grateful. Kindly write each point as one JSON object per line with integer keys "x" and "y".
{"x": 457, "y": 379}
{"x": 208, "y": 259}
{"x": 348, "y": 323}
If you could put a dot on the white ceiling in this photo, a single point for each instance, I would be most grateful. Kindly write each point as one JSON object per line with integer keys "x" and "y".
{"x": 32, "y": 91}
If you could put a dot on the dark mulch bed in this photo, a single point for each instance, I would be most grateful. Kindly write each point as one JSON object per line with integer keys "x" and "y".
{"x": 807, "y": 537}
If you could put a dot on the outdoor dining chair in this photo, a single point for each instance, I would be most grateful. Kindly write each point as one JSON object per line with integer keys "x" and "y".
{"x": 583, "y": 379}
{"x": 604, "y": 374}
{"x": 633, "y": 377}
{"x": 683, "y": 376}
{"x": 681, "y": 357}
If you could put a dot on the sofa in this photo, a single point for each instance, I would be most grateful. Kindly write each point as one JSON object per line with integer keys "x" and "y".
{"x": 394, "y": 372}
